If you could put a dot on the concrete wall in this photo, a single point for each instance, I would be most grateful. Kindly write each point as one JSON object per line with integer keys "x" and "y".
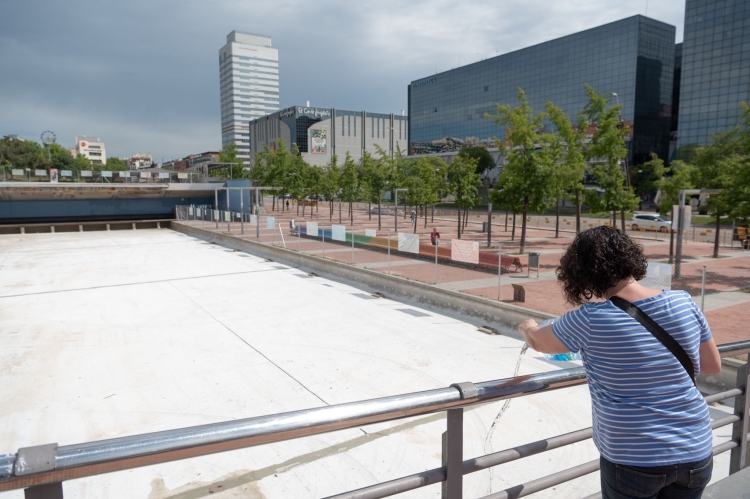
{"x": 93, "y": 209}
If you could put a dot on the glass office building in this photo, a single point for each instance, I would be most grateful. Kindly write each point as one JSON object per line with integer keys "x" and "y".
{"x": 633, "y": 58}
{"x": 715, "y": 68}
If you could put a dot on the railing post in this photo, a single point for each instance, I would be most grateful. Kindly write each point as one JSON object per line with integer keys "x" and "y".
{"x": 46, "y": 491}
{"x": 739, "y": 457}
{"x": 453, "y": 446}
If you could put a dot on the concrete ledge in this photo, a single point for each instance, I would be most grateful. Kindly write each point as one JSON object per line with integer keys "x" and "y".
{"x": 489, "y": 312}
{"x": 84, "y": 226}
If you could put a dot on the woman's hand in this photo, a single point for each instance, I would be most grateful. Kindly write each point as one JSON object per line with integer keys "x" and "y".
{"x": 542, "y": 340}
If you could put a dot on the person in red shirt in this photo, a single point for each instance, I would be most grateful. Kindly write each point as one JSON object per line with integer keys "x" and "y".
{"x": 434, "y": 236}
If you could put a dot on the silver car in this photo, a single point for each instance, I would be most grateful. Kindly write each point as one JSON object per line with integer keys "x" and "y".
{"x": 650, "y": 222}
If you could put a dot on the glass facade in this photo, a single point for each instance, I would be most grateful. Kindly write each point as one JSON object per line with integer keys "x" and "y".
{"x": 633, "y": 58}
{"x": 715, "y": 68}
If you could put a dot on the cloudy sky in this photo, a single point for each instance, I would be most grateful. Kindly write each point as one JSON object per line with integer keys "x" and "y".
{"x": 144, "y": 74}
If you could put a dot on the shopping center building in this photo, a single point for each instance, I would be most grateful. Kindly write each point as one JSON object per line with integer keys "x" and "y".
{"x": 632, "y": 58}
{"x": 319, "y": 133}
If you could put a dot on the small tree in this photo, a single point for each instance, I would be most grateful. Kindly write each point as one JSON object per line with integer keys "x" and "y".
{"x": 374, "y": 180}
{"x": 606, "y": 151}
{"x": 235, "y": 170}
{"x": 568, "y": 176}
{"x": 329, "y": 183}
{"x": 648, "y": 176}
{"x": 349, "y": 184}
{"x": 463, "y": 182}
{"x": 527, "y": 152}
{"x": 682, "y": 177}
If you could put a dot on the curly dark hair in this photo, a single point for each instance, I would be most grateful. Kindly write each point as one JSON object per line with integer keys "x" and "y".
{"x": 597, "y": 260}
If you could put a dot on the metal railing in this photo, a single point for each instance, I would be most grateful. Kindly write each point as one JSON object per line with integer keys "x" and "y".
{"x": 42, "y": 469}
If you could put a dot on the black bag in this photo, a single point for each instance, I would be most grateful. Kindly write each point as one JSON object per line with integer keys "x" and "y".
{"x": 658, "y": 332}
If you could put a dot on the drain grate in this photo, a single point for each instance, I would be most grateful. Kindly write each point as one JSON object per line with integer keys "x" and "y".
{"x": 364, "y": 296}
{"x": 415, "y": 313}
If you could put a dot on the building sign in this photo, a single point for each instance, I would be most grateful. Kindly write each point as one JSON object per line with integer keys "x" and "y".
{"x": 313, "y": 112}
{"x": 318, "y": 141}
{"x": 287, "y": 112}
{"x": 424, "y": 82}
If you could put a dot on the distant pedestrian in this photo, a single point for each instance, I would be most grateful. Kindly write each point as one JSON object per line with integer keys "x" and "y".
{"x": 413, "y": 217}
{"x": 434, "y": 236}
{"x": 287, "y": 205}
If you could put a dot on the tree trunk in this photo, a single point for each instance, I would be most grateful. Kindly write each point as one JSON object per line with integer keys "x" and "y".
{"x": 433, "y": 214}
{"x": 273, "y": 202}
{"x": 513, "y": 232}
{"x": 614, "y": 219}
{"x": 339, "y": 211}
{"x": 466, "y": 217}
{"x": 459, "y": 222}
{"x": 303, "y": 209}
{"x": 622, "y": 221}
{"x": 557, "y": 218}
{"x": 716, "y": 237}
{"x": 379, "y": 227}
{"x": 330, "y": 210}
{"x": 523, "y": 224}
{"x": 369, "y": 210}
{"x": 425, "y": 217}
{"x": 351, "y": 212}
{"x": 578, "y": 212}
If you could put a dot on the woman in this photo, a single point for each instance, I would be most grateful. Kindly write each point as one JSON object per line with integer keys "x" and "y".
{"x": 651, "y": 425}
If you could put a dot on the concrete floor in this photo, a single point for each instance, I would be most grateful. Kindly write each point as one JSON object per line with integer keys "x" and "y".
{"x": 107, "y": 334}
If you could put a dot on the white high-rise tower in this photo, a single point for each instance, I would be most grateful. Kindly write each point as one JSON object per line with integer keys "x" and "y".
{"x": 249, "y": 79}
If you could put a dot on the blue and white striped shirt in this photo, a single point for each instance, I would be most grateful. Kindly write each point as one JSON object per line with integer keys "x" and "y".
{"x": 646, "y": 411}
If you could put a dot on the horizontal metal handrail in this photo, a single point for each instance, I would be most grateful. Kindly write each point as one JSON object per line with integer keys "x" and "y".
{"x": 437, "y": 475}
{"x": 735, "y": 348}
{"x": 92, "y": 458}
{"x": 87, "y": 459}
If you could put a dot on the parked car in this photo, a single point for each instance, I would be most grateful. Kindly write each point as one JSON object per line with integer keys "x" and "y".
{"x": 650, "y": 222}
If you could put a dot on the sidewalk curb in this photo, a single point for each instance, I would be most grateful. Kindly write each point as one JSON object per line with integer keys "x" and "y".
{"x": 486, "y": 310}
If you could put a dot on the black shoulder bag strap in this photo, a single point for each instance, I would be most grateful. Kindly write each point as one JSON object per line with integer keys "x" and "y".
{"x": 658, "y": 332}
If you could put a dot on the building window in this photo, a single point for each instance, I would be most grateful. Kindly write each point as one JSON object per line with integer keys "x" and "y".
{"x": 486, "y": 88}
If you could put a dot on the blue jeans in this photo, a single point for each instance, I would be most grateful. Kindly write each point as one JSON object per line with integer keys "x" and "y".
{"x": 677, "y": 481}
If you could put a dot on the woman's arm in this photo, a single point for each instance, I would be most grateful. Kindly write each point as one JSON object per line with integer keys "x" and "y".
{"x": 543, "y": 340}
{"x": 710, "y": 358}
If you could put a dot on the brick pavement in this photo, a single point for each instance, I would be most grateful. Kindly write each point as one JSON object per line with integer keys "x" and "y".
{"x": 727, "y": 307}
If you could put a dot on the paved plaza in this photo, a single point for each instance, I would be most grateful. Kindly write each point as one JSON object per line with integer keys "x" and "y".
{"x": 108, "y": 334}
{"x": 727, "y": 278}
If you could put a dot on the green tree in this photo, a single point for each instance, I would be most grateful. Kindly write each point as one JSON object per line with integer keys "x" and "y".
{"x": 717, "y": 167}
{"x": 228, "y": 154}
{"x": 482, "y": 155}
{"x": 568, "y": 176}
{"x": 682, "y": 177}
{"x": 374, "y": 180}
{"x": 22, "y": 154}
{"x": 313, "y": 180}
{"x": 527, "y": 153}
{"x": 606, "y": 152}
{"x": 463, "y": 182}
{"x": 329, "y": 184}
{"x": 273, "y": 168}
{"x": 648, "y": 176}
{"x": 116, "y": 165}
{"x": 349, "y": 184}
